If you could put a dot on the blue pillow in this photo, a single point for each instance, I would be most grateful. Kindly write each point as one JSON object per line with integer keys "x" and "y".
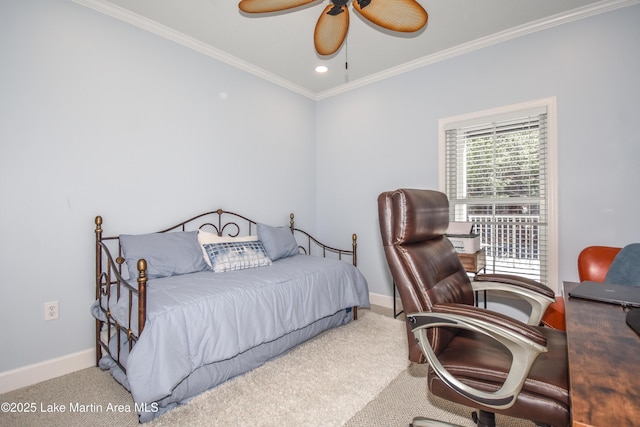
{"x": 278, "y": 241}
{"x": 229, "y": 256}
{"x": 625, "y": 268}
{"x": 167, "y": 254}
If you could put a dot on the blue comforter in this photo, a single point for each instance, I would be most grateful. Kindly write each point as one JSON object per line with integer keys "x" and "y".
{"x": 198, "y": 319}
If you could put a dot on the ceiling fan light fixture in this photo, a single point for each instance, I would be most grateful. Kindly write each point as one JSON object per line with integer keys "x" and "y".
{"x": 405, "y": 16}
{"x": 322, "y": 69}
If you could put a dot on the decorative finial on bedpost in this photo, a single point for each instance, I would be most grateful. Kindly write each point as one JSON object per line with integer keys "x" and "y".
{"x": 98, "y": 228}
{"x": 291, "y": 226}
{"x": 142, "y": 293}
{"x": 354, "y": 244}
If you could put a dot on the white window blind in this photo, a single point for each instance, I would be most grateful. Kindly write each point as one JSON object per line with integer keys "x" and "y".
{"x": 496, "y": 176}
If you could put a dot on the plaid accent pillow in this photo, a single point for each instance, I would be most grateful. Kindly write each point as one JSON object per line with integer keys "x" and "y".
{"x": 228, "y": 256}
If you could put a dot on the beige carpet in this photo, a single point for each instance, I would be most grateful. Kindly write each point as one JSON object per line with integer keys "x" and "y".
{"x": 86, "y": 387}
{"x": 354, "y": 376}
{"x": 323, "y": 382}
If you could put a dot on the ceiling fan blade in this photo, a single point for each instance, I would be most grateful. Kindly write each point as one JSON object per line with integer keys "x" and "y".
{"x": 397, "y": 15}
{"x": 331, "y": 29}
{"x": 263, "y": 6}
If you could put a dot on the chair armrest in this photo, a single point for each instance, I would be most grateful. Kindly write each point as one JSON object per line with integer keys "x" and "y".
{"x": 535, "y": 293}
{"x": 524, "y": 343}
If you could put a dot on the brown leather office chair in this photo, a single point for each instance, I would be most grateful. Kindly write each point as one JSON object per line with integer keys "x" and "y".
{"x": 477, "y": 357}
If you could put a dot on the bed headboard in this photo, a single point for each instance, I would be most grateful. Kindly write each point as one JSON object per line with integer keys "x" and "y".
{"x": 222, "y": 222}
{"x": 109, "y": 251}
{"x": 227, "y": 223}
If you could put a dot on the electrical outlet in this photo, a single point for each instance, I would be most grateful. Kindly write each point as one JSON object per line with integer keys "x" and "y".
{"x": 51, "y": 310}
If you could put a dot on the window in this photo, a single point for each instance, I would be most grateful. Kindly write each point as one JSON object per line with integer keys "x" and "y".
{"x": 497, "y": 168}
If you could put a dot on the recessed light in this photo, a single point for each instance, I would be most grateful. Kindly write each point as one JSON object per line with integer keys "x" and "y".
{"x": 321, "y": 69}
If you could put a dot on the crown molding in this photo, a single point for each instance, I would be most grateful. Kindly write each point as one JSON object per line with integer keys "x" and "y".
{"x": 154, "y": 27}
{"x": 522, "y": 30}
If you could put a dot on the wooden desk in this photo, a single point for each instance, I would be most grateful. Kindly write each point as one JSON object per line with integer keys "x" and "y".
{"x": 604, "y": 368}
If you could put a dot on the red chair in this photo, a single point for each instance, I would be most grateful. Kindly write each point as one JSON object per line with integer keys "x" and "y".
{"x": 593, "y": 265}
{"x": 594, "y": 262}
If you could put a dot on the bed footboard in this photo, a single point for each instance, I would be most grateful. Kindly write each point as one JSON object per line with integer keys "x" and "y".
{"x": 311, "y": 244}
{"x": 111, "y": 284}
{"x": 117, "y": 339}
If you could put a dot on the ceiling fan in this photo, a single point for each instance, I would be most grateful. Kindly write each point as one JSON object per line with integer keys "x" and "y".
{"x": 405, "y": 16}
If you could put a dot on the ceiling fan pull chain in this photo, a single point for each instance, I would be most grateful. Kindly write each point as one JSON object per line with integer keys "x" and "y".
{"x": 346, "y": 60}
{"x": 346, "y": 54}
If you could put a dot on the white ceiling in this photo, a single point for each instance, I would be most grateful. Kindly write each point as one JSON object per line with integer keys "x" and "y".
{"x": 279, "y": 47}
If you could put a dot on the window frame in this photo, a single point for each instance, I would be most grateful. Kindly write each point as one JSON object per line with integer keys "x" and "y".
{"x": 552, "y": 165}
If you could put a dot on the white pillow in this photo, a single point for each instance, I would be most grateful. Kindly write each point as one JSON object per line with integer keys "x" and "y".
{"x": 206, "y": 238}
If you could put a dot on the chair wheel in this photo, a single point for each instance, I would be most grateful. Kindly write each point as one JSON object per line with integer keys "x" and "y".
{"x": 428, "y": 422}
{"x": 483, "y": 419}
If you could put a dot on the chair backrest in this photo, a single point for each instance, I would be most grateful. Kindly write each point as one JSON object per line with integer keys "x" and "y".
{"x": 625, "y": 268}
{"x": 594, "y": 262}
{"x": 423, "y": 263}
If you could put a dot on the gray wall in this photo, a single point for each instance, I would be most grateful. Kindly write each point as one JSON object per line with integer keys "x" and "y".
{"x": 99, "y": 117}
{"x": 385, "y": 136}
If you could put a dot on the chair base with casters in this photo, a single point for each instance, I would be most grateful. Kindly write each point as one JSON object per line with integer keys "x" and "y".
{"x": 488, "y": 419}
{"x": 428, "y": 422}
{"x": 480, "y": 418}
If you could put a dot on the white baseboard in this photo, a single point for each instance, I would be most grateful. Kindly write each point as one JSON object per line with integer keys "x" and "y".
{"x": 42, "y": 371}
{"x": 384, "y": 301}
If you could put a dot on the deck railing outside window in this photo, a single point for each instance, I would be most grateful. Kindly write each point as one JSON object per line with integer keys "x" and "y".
{"x": 511, "y": 243}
